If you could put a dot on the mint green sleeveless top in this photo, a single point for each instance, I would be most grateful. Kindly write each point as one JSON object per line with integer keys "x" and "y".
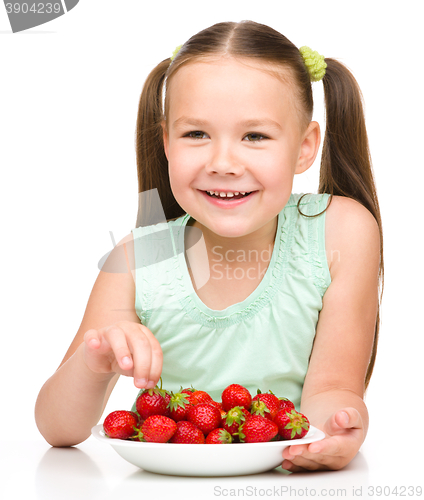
{"x": 263, "y": 342}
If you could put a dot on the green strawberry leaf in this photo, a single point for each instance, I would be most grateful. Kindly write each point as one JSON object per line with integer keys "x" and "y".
{"x": 179, "y": 399}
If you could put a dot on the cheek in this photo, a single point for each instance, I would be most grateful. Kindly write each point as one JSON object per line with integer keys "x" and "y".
{"x": 185, "y": 161}
{"x": 181, "y": 170}
{"x": 272, "y": 167}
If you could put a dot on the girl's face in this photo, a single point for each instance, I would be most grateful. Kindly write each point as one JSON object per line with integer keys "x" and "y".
{"x": 233, "y": 127}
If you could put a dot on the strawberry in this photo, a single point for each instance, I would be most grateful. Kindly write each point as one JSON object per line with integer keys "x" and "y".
{"x": 286, "y": 404}
{"x": 167, "y": 397}
{"x": 156, "y": 429}
{"x": 219, "y": 436}
{"x": 187, "y": 433}
{"x": 234, "y": 418}
{"x": 266, "y": 405}
{"x": 178, "y": 406}
{"x": 120, "y": 424}
{"x": 205, "y": 417}
{"x": 188, "y": 390}
{"x": 236, "y": 395}
{"x": 152, "y": 402}
{"x": 198, "y": 397}
{"x": 219, "y": 406}
{"x": 257, "y": 429}
{"x": 291, "y": 424}
{"x": 215, "y": 403}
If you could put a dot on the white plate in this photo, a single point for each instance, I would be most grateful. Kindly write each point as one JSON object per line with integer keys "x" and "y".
{"x": 204, "y": 459}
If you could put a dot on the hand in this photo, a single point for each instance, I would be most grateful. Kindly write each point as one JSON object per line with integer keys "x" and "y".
{"x": 344, "y": 432}
{"x": 126, "y": 348}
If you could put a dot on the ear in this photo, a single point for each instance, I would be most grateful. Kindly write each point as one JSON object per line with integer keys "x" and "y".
{"x": 309, "y": 147}
{"x": 165, "y": 138}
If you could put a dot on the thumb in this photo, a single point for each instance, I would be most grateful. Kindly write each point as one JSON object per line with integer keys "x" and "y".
{"x": 91, "y": 339}
{"x": 345, "y": 418}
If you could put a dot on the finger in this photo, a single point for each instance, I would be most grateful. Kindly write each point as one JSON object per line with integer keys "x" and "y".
{"x": 343, "y": 419}
{"x": 293, "y": 467}
{"x": 334, "y": 446}
{"x": 92, "y": 339}
{"x": 319, "y": 461}
{"x": 348, "y": 418}
{"x": 290, "y": 466}
{"x": 147, "y": 355}
{"x": 142, "y": 356}
{"x": 116, "y": 338}
{"x": 157, "y": 357}
{"x": 150, "y": 359}
{"x": 291, "y": 451}
{"x": 302, "y": 455}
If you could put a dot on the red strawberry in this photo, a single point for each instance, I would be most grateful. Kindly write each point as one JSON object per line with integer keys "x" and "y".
{"x": 266, "y": 405}
{"x": 151, "y": 402}
{"x": 216, "y": 404}
{"x": 188, "y": 390}
{"x": 234, "y": 418}
{"x": 156, "y": 429}
{"x": 178, "y": 406}
{"x": 286, "y": 404}
{"x": 291, "y": 424}
{"x": 236, "y": 395}
{"x": 167, "y": 398}
{"x": 257, "y": 430}
{"x": 120, "y": 424}
{"x": 219, "y": 406}
{"x": 187, "y": 433}
{"x": 205, "y": 417}
{"x": 198, "y": 397}
{"x": 219, "y": 436}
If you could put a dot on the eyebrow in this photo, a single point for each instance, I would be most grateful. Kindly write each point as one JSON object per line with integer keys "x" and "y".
{"x": 186, "y": 120}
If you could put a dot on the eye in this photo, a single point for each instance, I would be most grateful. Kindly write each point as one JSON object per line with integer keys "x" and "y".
{"x": 255, "y": 137}
{"x": 196, "y": 134}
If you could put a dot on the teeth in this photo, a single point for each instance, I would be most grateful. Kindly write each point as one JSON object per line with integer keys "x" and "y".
{"x": 226, "y": 195}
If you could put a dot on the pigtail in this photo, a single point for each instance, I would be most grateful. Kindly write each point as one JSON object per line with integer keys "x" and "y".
{"x": 152, "y": 164}
{"x": 346, "y": 168}
{"x": 346, "y": 164}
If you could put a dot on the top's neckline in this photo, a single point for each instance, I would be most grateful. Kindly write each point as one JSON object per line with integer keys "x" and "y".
{"x": 192, "y": 302}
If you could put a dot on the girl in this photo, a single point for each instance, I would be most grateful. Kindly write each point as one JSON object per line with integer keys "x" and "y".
{"x": 291, "y": 301}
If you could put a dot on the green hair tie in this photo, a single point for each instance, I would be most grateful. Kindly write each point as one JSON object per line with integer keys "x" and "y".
{"x": 314, "y": 63}
{"x": 175, "y": 52}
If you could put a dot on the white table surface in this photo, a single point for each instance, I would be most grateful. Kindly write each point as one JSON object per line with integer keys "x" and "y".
{"x": 93, "y": 470}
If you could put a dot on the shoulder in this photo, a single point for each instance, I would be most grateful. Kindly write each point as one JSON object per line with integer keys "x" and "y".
{"x": 121, "y": 258}
{"x": 351, "y": 235}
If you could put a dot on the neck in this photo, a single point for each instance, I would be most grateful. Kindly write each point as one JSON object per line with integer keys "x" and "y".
{"x": 240, "y": 251}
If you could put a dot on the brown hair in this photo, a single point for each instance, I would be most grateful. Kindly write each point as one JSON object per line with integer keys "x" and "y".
{"x": 345, "y": 164}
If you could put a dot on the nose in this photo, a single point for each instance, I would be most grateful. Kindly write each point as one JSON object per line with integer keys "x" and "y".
{"x": 223, "y": 160}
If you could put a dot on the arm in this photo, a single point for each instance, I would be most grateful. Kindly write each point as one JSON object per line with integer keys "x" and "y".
{"x": 334, "y": 384}
{"x": 72, "y": 400}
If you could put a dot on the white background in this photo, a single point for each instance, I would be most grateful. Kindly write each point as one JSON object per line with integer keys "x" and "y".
{"x": 69, "y": 93}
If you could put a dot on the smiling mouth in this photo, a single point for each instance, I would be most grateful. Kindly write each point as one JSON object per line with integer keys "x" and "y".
{"x": 228, "y": 198}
